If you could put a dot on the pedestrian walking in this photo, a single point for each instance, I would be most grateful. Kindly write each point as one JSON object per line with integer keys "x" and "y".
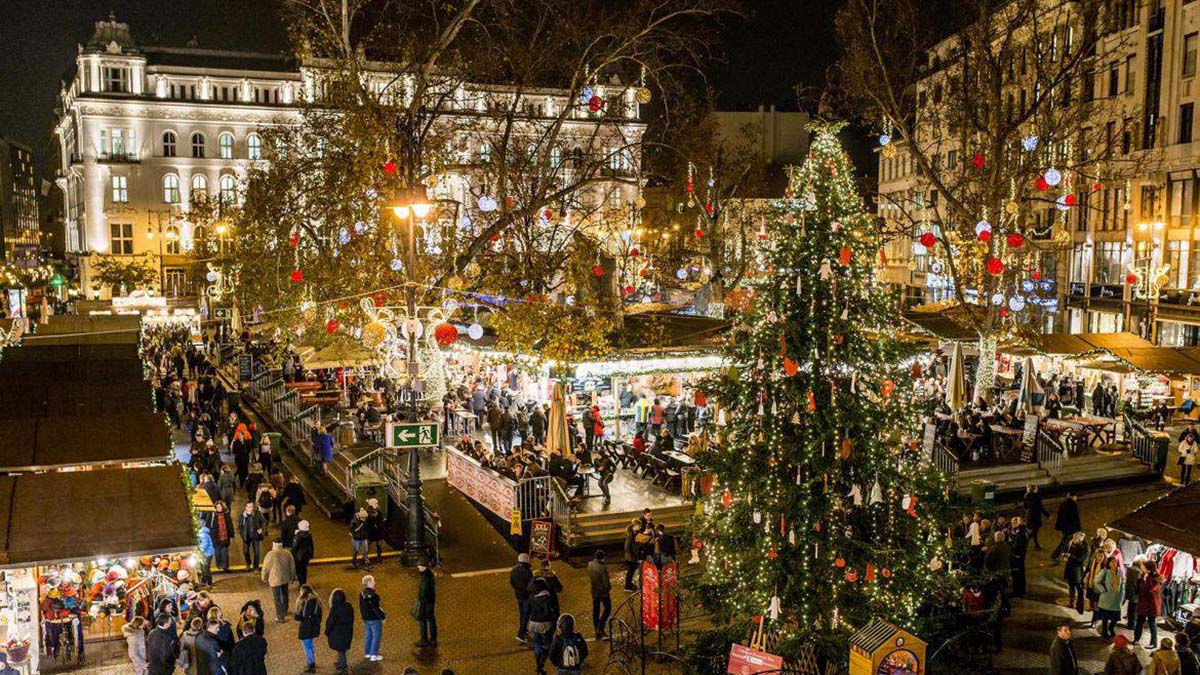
{"x": 358, "y": 539}
{"x": 1122, "y": 661}
{"x": 293, "y": 495}
{"x": 279, "y": 571}
{"x": 135, "y": 644}
{"x": 1110, "y": 595}
{"x": 251, "y": 620}
{"x": 308, "y": 613}
{"x": 162, "y": 647}
{"x": 227, "y": 484}
{"x": 425, "y": 604}
{"x": 373, "y": 617}
{"x": 252, "y": 527}
{"x": 250, "y": 653}
{"x": 601, "y": 584}
{"x": 542, "y": 612}
{"x": 1035, "y": 511}
{"x": 374, "y": 530}
{"x": 632, "y": 550}
{"x": 221, "y": 531}
{"x": 569, "y": 649}
{"x": 288, "y": 526}
{"x": 519, "y": 579}
{"x": 208, "y": 650}
{"x": 1163, "y": 661}
{"x": 1066, "y": 522}
{"x": 1073, "y": 571}
{"x": 1018, "y": 541}
{"x": 1062, "y": 652}
{"x": 302, "y": 551}
{"x": 1149, "y": 605}
{"x": 187, "y": 644}
{"x": 339, "y": 627}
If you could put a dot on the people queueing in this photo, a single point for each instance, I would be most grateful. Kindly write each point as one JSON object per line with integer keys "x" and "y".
{"x": 339, "y": 628}
{"x": 308, "y": 614}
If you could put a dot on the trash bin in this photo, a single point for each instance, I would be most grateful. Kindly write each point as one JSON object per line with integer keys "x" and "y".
{"x": 233, "y": 399}
{"x": 371, "y": 487}
{"x": 344, "y": 434}
{"x": 983, "y": 492}
{"x": 276, "y": 442}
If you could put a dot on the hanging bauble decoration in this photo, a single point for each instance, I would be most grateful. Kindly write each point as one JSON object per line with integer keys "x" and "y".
{"x": 629, "y": 290}
{"x": 294, "y": 240}
{"x": 995, "y": 266}
{"x": 1131, "y": 278}
{"x": 1016, "y": 303}
{"x": 790, "y": 367}
{"x": 979, "y": 161}
{"x": 360, "y": 227}
{"x": 699, "y": 233}
{"x": 983, "y": 226}
{"x": 586, "y": 95}
{"x": 889, "y": 152}
{"x": 595, "y": 104}
{"x": 852, "y": 575}
{"x": 598, "y": 270}
{"x": 846, "y": 447}
{"x": 374, "y": 334}
{"x": 297, "y": 275}
{"x": 642, "y": 95}
{"x": 445, "y": 334}
{"x": 928, "y": 239}
{"x": 633, "y": 252}
{"x": 343, "y": 236}
{"x": 211, "y": 276}
{"x": 487, "y": 204}
{"x": 998, "y": 299}
{"x": 845, "y": 255}
{"x": 1070, "y": 199}
{"x": 1053, "y": 177}
{"x": 475, "y": 331}
{"x": 1041, "y": 184}
{"x": 396, "y": 264}
{"x": 884, "y": 140}
{"x": 887, "y": 387}
{"x": 1029, "y": 143}
{"x": 681, "y": 274}
{"x": 1096, "y": 187}
{"x": 1061, "y": 203}
{"x": 390, "y": 168}
{"x": 1016, "y": 240}
{"x": 331, "y": 326}
{"x": 985, "y": 236}
{"x": 379, "y": 298}
{"x": 839, "y": 562}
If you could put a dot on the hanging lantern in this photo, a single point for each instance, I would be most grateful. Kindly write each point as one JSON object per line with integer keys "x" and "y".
{"x": 332, "y": 326}
{"x": 928, "y": 239}
{"x": 297, "y": 275}
{"x": 995, "y": 266}
{"x": 1016, "y": 240}
{"x": 445, "y": 334}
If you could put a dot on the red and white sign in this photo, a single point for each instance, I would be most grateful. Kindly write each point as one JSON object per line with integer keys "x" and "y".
{"x": 746, "y": 661}
{"x": 669, "y": 604}
{"x": 650, "y": 592}
{"x": 485, "y": 487}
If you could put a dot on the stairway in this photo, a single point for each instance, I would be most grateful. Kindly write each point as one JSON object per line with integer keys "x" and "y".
{"x": 1102, "y": 470}
{"x": 607, "y": 528}
{"x": 1008, "y": 479}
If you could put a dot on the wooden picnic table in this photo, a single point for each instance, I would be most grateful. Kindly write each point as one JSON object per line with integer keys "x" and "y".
{"x": 1006, "y": 441}
{"x": 1096, "y": 429}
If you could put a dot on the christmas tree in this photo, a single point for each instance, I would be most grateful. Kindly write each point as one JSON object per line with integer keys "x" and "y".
{"x": 823, "y": 514}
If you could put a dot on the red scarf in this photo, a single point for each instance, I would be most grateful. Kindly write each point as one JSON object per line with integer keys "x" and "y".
{"x": 222, "y": 535}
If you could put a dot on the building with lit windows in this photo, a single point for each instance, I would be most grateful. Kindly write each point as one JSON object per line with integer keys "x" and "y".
{"x": 19, "y": 213}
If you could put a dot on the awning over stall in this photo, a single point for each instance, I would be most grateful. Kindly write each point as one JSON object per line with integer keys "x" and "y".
{"x": 40, "y": 443}
{"x": 1169, "y": 520}
{"x": 340, "y": 356}
{"x": 86, "y": 515}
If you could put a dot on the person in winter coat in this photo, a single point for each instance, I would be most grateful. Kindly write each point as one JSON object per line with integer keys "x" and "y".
{"x": 187, "y": 644}
{"x": 287, "y": 526}
{"x": 1189, "y": 662}
{"x": 538, "y": 425}
{"x": 279, "y": 571}
{"x": 569, "y": 648}
{"x": 1018, "y": 537}
{"x": 135, "y": 640}
{"x": 632, "y": 549}
{"x": 1062, "y": 652}
{"x": 250, "y": 654}
{"x": 223, "y": 634}
{"x": 1110, "y": 595}
{"x": 1035, "y": 511}
{"x": 372, "y": 617}
{"x": 425, "y": 605}
{"x": 1122, "y": 661}
{"x": 1073, "y": 571}
{"x": 204, "y": 543}
{"x": 358, "y": 539}
{"x": 1164, "y": 661}
{"x": 542, "y": 612}
{"x": 227, "y": 484}
{"x": 322, "y": 444}
{"x": 208, "y": 650}
{"x": 252, "y": 526}
{"x": 302, "y": 550}
{"x": 308, "y": 613}
{"x": 1066, "y": 522}
{"x": 1149, "y": 605}
{"x": 293, "y": 495}
{"x": 162, "y": 647}
{"x": 374, "y": 530}
{"x": 601, "y": 585}
{"x": 1189, "y": 447}
{"x": 1133, "y": 580}
{"x": 339, "y": 627}
{"x": 519, "y": 579}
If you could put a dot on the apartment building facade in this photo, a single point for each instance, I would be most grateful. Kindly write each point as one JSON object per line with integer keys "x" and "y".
{"x": 19, "y": 210}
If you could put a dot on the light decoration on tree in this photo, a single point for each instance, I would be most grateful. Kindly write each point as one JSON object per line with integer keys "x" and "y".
{"x": 793, "y": 446}
{"x": 1052, "y": 177}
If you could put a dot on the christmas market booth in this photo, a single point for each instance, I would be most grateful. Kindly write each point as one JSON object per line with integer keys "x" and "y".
{"x": 881, "y": 648}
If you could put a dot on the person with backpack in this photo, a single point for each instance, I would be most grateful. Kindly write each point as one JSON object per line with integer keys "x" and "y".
{"x": 569, "y": 649}
{"x": 542, "y": 612}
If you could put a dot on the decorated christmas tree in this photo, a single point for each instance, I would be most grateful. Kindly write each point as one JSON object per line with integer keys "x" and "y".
{"x": 823, "y": 514}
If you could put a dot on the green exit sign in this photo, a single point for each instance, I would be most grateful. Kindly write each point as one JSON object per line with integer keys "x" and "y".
{"x": 414, "y": 435}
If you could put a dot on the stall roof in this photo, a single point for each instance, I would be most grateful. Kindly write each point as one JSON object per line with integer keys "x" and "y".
{"x": 945, "y": 320}
{"x": 39, "y": 353}
{"x": 32, "y": 443}
{"x": 1159, "y": 359}
{"x": 21, "y": 373}
{"x": 1116, "y": 340}
{"x": 86, "y": 515}
{"x": 664, "y": 329}
{"x": 1062, "y": 343}
{"x": 72, "y": 399}
{"x": 340, "y": 356}
{"x": 1170, "y": 519}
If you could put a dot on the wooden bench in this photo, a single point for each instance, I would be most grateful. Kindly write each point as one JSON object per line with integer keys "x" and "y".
{"x": 303, "y": 386}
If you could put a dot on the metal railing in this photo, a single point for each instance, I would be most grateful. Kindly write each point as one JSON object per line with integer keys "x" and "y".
{"x": 946, "y": 461}
{"x": 388, "y": 465}
{"x": 543, "y": 497}
{"x": 302, "y": 424}
{"x": 1049, "y": 452}
{"x": 1148, "y": 446}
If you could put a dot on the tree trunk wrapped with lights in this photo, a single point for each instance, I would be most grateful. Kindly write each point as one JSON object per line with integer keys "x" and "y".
{"x": 822, "y": 514}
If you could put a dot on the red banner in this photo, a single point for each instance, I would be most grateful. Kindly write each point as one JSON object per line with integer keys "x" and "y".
{"x": 667, "y": 583}
{"x": 746, "y": 661}
{"x": 649, "y": 596}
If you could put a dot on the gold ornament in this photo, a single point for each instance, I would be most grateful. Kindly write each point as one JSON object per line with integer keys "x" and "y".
{"x": 1012, "y": 208}
{"x": 888, "y": 151}
{"x": 310, "y": 315}
{"x": 642, "y": 95}
{"x": 455, "y": 283}
{"x": 374, "y": 334}
{"x": 641, "y": 202}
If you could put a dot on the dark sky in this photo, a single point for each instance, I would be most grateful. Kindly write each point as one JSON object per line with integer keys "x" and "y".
{"x": 782, "y": 42}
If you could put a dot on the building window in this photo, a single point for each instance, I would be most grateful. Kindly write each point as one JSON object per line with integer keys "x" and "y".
{"x": 1114, "y": 79}
{"x": 1111, "y": 263}
{"x": 168, "y": 144}
{"x": 115, "y": 80}
{"x": 225, "y": 143}
{"x": 485, "y": 153}
{"x": 120, "y": 189}
{"x": 253, "y": 147}
{"x": 199, "y": 187}
{"x": 172, "y": 237}
{"x": 227, "y": 190}
{"x": 121, "y": 235}
{"x": 198, "y": 145}
{"x": 1186, "y": 112}
{"x": 1189, "y": 54}
{"x": 171, "y": 189}
{"x": 1177, "y": 258}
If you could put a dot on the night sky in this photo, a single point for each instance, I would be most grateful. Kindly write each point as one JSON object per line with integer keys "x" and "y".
{"x": 781, "y": 43}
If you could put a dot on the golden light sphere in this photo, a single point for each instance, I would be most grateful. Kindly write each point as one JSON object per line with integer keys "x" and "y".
{"x": 374, "y": 334}
{"x": 642, "y": 95}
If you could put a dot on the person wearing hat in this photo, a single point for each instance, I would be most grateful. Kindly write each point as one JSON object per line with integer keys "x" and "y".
{"x": 135, "y": 640}
{"x": 519, "y": 578}
{"x": 1122, "y": 661}
{"x": 358, "y": 539}
{"x": 279, "y": 570}
{"x": 302, "y": 550}
{"x": 423, "y": 609}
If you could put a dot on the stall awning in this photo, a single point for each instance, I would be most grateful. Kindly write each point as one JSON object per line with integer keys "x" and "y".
{"x": 86, "y": 515}
{"x": 1170, "y": 520}
{"x": 65, "y": 330}
{"x": 20, "y": 399}
{"x": 339, "y": 356}
{"x": 1062, "y": 343}
{"x": 38, "y": 353}
{"x": 40, "y": 443}
{"x": 946, "y": 320}
{"x": 1159, "y": 360}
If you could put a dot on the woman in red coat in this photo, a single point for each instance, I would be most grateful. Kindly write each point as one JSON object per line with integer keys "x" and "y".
{"x": 1149, "y": 604}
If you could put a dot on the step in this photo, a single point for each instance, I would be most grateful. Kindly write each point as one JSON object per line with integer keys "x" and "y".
{"x": 622, "y": 518}
{"x": 1002, "y": 472}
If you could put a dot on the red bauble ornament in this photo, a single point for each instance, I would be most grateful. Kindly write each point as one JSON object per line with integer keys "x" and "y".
{"x": 1096, "y": 187}
{"x": 633, "y": 252}
{"x": 699, "y": 233}
{"x": 995, "y": 266}
{"x": 1003, "y": 311}
{"x": 445, "y": 334}
{"x": 1131, "y": 279}
{"x": 598, "y": 270}
{"x": 390, "y": 168}
{"x": 1037, "y": 276}
{"x": 629, "y": 290}
{"x": 297, "y": 276}
{"x": 1016, "y": 240}
{"x": 885, "y": 573}
{"x": 709, "y": 208}
{"x": 332, "y": 326}
{"x": 928, "y": 239}
{"x": 595, "y": 104}
{"x": 1041, "y": 184}
{"x": 548, "y": 214}
{"x": 985, "y": 236}
{"x": 495, "y": 237}
{"x": 1070, "y": 199}
{"x": 979, "y": 160}
{"x": 839, "y": 562}
{"x": 851, "y": 576}
{"x": 294, "y": 240}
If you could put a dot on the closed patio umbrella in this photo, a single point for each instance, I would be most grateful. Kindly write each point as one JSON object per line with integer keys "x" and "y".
{"x": 956, "y": 391}
{"x": 1031, "y": 392}
{"x": 556, "y": 438}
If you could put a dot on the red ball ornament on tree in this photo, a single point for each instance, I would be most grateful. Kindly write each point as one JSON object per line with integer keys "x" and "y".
{"x": 1131, "y": 279}
{"x": 1041, "y": 184}
{"x": 699, "y": 233}
{"x": 390, "y": 167}
{"x": 595, "y": 104}
{"x": 633, "y": 252}
{"x": 294, "y": 240}
{"x": 1037, "y": 276}
{"x": 629, "y": 290}
{"x": 1016, "y": 240}
{"x": 985, "y": 236}
{"x": 1003, "y": 311}
{"x": 598, "y": 270}
{"x": 979, "y": 160}
{"x": 1070, "y": 199}
{"x": 995, "y": 266}
{"x": 332, "y": 326}
{"x": 1096, "y": 187}
{"x": 297, "y": 276}
{"x": 494, "y": 238}
{"x": 445, "y": 334}
{"x": 548, "y": 214}
{"x": 839, "y": 562}
{"x": 928, "y": 239}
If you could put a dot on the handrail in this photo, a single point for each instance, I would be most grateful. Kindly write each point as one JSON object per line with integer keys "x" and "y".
{"x": 1050, "y": 452}
{"x": 945, "y": 459}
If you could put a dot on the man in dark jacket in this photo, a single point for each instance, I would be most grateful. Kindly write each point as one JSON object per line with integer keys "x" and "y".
{"x": 372, "y": 616}
{"x": 1062, "y": 652}
{"x": 519, "y": 578}
{"x": 302, "y": 551}
{"x": 208, "y": 651}
{"x": 1068, "y": 523}
{"x": 162, "y": 647}
{"x": 426, "y": 604}
{"x": 293, "y": 494}
{"x": 1034, "y": 512}
{"x": 601, "y": 584}
{"x": 288, "y": 526}
{"x": 538, "y": 424}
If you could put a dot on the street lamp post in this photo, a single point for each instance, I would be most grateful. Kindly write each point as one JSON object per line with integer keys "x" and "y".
{"x": 413, "y": 206}
{"x": 1149, "y": 278}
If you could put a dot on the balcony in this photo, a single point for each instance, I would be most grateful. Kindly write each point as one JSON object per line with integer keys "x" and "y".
{"x": 119, "y": 158}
